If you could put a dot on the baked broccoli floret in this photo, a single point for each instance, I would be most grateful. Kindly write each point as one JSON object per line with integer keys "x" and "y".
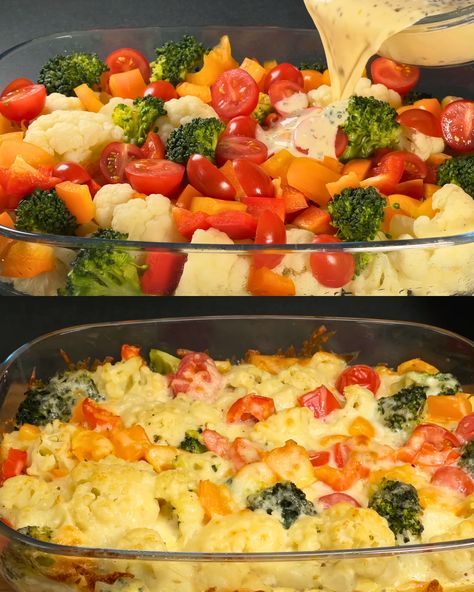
{"x": 284, "y": 500}
{"x": 45, "y": 402}
{"x": 467, "y": 458}
{"x": 371, "y": 124}
{"x": 175, "y": 59}
{"x": 64, "y": 73}
{"x": 460, "y": 171}
{"x": 357, "y": 213}
{"x": 40, "y": 533}
{"x": 138, "y": 119}
{"x": 264, "y": 108}
{"x": 192, "y": 443}
{"x": 399, "y": 504}
{"x": 415, "y": 95}
{"x": 44, "y": 211}
{"x": 162, "y": 362}
{"x": 318, "y": 66}
{"x": 402, "y": 410}
{"x": 103, "y": 270}
{"x": 200, "y": 136}
{"x": 435, "y": 384}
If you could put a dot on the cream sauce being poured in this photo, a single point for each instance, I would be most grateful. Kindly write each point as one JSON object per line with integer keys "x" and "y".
{"x": 352, "y": 31}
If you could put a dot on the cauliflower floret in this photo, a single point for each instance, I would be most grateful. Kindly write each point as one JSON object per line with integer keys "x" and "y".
{"x": 420, "y": 144}
{"x": 320, "y": 97}
{"x": 380, "y": 278}
{"x": 109, "y": 108}
{"x": 214, "y": 274}
{"x": 182, "y": 111}
{"x": 48, "y": 283}
{"x": 77, "y": 136}
{"x": 107, "y": 199}
{"x": 365, "y": 88}
{"x": 146, "y": 219}
{"x": 59, "y": 102}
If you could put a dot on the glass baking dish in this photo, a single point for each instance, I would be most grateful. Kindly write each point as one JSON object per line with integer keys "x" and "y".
{"x": 442, "y": 265}
{"x": 31, "y": 565}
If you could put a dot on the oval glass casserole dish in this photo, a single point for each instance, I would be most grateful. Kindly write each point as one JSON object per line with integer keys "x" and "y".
{"x": 239, "y": 468}
{"x": 431, "y": 254}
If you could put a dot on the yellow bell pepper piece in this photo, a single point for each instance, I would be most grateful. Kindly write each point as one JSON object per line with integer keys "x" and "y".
{"x": 255, "y": 69}
{"x": 212, "y": 207}
{"x": 277, "y": 165}
{"x": 216, "y": 62}
{"x": 417, "y": 365}
{"x": 88, "y": 98}
{"x": 201, "y": 91}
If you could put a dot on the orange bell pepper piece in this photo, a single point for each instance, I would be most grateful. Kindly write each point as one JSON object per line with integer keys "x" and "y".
{"x": 216, "y": 62}
{"x": 277, "y": 165}
{"x": 88, "y": 98}
{"x": 186, "y": 197}
{"x": 7, "y": 126}
{"x": 127, "y": 85}
{"x": 326, "y": 78}
{"x": 438, "y": 159}
{"x": 426, "y": 208}
{"x": 362, "y": 427}
{"x": 311, "y": 177}
{"x": 433, "y": 106}
{"x": 341, "y": 479}
{"x": 89, "y": 445}
{"x": 312, "y": 80}
{"x": 33, "y": 155}
{"x": 128, "y": 352}
{"x": 78, "y": 200}
{"x": 417, "y": 365}
{"x": 360, "y": 167}
{"x": 14, "y": 136}
{"x": 256, "y": 71}
{"x": 215, "y": 499}
{"x": 333, "y": 164}
{"x": 295, "y": 201}
{"x": 131, "y": 444}
{"x": 27, "y": 260}
{"x": 405, "y": 203}
{"x": 448, "y": 408}
{"x": 5, "y": 220}
{"x": 186, "y": 89}
{"x": 315, "y": 220}
{"x": 346, "y": 182}
{"x": 212, "y": 206}
{"x": 429, "y": 190}
{"x": 229, "y": 173}
{"x": 264, "y": 282}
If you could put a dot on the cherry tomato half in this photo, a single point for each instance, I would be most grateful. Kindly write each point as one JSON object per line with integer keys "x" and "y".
{"x": 162, "y": 89}
{"x": 208, "y": 179}
{"x": 465, "y": 429}
{"x": 16, "y": 85}
{"x": 251, "y": 408}
{"x": 399, "y": 77}
{"x": 342, "y": 141}
{"x": 234, "y": 93}
{"x": 319, "y": 459}
{"x": 362, "y": 375}
{"x": 153, "y": 147}
{"x": 457, "y": 124}
{"x": 421, "y": 120}
{"x": 403, "y": 165}
{"x": 454, "y": 478}
{"x": 321, "y": 402}
{"x": 71, "y": 171}
{"x": 233, "y": 147}
{"x": 282, "y": 90}
{"x": 126, "y": 59}
{"x": 244, "y": 126}
{"x": 333, "y": 269}
{"x": 431, "y": 445}
{"x": 150, "y": 176}
{"x": 254, "y": 180}
{"x": 270, "y": 231}
{"x": 284, "y": 71}
{"x": 115, "y": 158}
{"x": 338, "y": 498}
{"x": 23, "y": 104}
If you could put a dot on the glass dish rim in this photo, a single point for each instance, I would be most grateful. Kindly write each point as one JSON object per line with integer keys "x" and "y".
{"x": 287, "y": 556}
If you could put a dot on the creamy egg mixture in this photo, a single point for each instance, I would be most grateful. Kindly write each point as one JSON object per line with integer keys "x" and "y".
{"x": 139, "y": 485}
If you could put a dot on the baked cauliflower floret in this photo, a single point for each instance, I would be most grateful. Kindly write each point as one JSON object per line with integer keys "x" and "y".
{"x": 59, "y": 102}
{"x": 182, "y": 111}
{"x": 103, "y": 498}
{"x": 365, "y": 88}
{"x": 108, "y": 198}
{"x": 214, "y": 274}
{"x": 454, "y": 565}
{"x": 77, "y": 136}
{"x": 146, "y": 220}
{"x": 141, "y": 539}
{"x": 420, "y": 144}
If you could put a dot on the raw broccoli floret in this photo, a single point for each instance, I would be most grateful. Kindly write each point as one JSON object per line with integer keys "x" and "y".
{"x": 399, "y": 504}
{"x": 162, "y": 362}
{"x": 45, "y": 402}
{"x": 371, "y": 124}
{"x": 40, "y": 533}
{"x": 402, "y": 410}
{"x": 138, "y": 119}
{"x": 200, "y": 136}
{"x": 357, "y": 213}
{"x": 415, "y": 95}
{"x": 460, "y": 171}
{"x": 264, "y": 108}
{"x": 192, "y": 443}
{"x": 63, "y": 73}
{"x": 44, "y": 211}
{"x": 175, "y": 59}
{"x": 467, "y": 458}
{"x": 284, "y": 500}
{"x": 435, "y": 384}
{"x": 318, "y": 66}
{"x": 104, "y": 270}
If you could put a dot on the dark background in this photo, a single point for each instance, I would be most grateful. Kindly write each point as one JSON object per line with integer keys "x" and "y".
{"x": 24, "y": 318}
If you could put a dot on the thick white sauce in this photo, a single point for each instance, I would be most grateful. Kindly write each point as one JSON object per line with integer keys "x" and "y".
{"x": 354, "y": 30}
